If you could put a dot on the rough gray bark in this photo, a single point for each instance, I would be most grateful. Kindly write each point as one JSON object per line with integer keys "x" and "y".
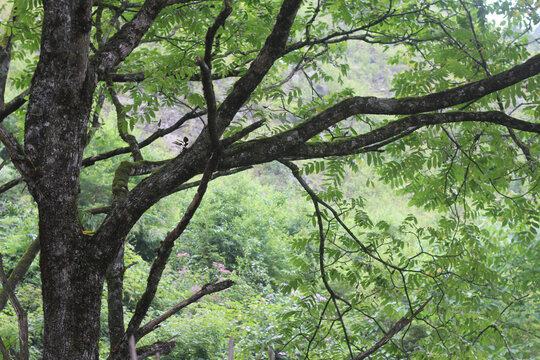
{"x": 56, "y": 127}
{"x": 115, "y": 305}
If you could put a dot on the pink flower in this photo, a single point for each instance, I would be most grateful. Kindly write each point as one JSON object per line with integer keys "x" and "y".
{"x": 221, "y": 268}
{"x": 182, "y": 254}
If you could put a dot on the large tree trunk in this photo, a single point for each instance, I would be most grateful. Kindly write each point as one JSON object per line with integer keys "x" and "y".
{"x": 72, "y": 290}
{"x": 56, "y": 124}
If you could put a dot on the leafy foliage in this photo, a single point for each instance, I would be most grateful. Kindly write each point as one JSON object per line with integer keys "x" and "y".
{"x": 426, "y": 238}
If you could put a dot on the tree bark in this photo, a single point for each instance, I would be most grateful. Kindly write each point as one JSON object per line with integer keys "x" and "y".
{"x": 56, "y": 123}
{"x": 72, "y": 267}
{"x": 115, "y": 291}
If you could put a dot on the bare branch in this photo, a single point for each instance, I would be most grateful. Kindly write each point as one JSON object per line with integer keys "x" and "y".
{"x": 409, "y": 106}
{"x": 273, "y": 47}
{"x": 205, "y": 290}
{"x": 126, "y": 169}
{"x": 263, "y": 150}
{"x": 149, "y": 140}
{"x": 211, "y": 33}
{"x": 210, "y": 97}
{"x": 157, "y": 348}
{"x": 206, "y": 74}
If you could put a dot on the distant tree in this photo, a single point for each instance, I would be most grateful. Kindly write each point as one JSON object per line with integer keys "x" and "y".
{"x": 461, "y": 135}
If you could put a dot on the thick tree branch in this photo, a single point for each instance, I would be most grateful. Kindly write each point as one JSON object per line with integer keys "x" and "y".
{"x": 210, "y": 97}
{"x": 206, "y": 75}
{"x": 281, "y": 146}
{"x": 272, "y": 49}
{"x": 173, "y": 175}
{"x": 160, "y": 347}
{"x": 126, "y": 169}
{"x": 409, "y": 106}
{"x": 211, "y": 33}
{"x": 106, "y": 209}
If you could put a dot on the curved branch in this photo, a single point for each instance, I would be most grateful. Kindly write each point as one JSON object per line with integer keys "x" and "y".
{"x": 156, "y": 135}
{"x": 280, "y": 146}
{"x": 414, "y": 105}
{"x": 126, "y": 169}
{"x": 272, "y": 49}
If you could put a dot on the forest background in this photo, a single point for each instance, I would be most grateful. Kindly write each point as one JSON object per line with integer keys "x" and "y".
{"x": 259, "y": 229}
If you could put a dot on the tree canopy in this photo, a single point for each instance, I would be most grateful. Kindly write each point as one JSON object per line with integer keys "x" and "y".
{"x": 274, "y": 81}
